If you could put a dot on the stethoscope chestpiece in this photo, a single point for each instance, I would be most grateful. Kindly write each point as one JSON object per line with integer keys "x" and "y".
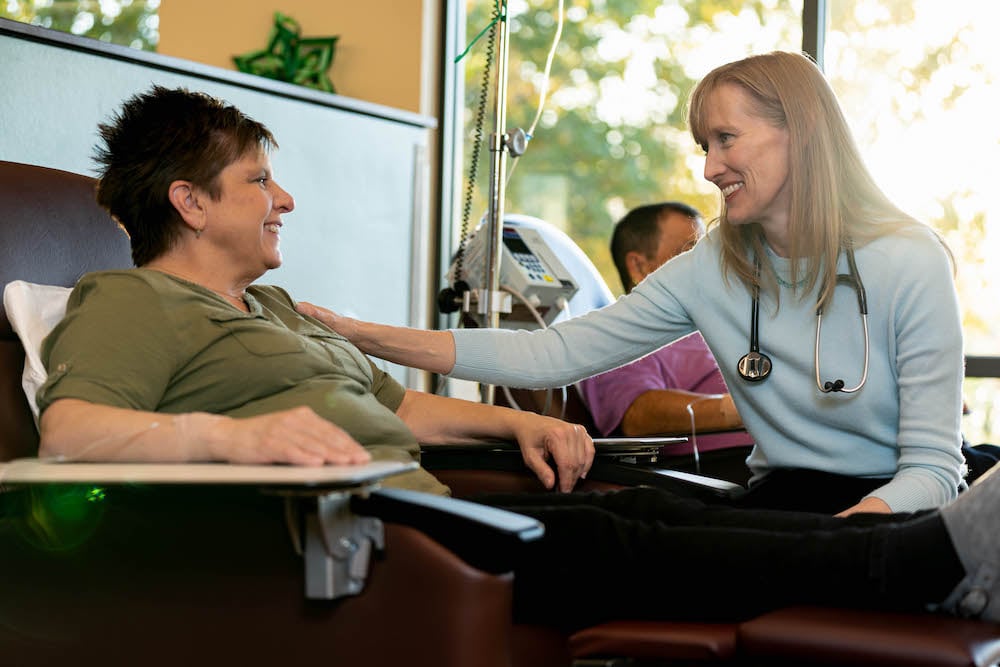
{"x": 754, "y": 366}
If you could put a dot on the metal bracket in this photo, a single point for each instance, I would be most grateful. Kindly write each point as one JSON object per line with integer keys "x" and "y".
{"x": 338, "y": 547}
{"x": 480, "y": 298}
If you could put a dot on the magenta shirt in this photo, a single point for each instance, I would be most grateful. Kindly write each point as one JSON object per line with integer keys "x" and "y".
{"x": 685, "y": 364}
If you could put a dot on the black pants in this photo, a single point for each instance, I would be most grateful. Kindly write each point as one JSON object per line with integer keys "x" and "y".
{"x": 644, "y": 553}
{"x": 806, "y": 491}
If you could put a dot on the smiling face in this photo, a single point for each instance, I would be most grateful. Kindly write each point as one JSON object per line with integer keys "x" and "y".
{"x": 747, "y": 157}
{"x": 243, "y": 223}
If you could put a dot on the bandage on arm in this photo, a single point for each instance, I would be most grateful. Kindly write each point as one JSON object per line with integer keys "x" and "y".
{"x": 77, "y": 430}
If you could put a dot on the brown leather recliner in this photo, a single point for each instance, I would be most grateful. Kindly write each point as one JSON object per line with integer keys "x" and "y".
{"x": 794, "y": 636}
{"x": 126, "y": 575}
{"x": 139, "y": 575}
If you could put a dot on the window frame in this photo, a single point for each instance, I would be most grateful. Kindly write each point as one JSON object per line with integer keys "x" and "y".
{"x": 814, "y": 23}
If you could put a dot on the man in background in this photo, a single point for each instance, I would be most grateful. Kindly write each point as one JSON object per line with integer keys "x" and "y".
{"x": 652, "y": 396}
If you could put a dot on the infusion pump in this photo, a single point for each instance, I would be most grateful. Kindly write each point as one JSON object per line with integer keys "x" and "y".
{"x": 529, "y": 268}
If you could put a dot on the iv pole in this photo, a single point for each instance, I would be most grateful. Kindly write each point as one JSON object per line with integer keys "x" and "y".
{"x": 499, "y": 147}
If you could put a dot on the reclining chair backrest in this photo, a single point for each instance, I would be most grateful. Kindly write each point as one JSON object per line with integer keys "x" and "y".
{"x": 52, "y": 232}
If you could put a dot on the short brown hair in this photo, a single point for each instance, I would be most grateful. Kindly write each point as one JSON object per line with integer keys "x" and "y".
{"x": 639, "y": 231}
{"x": 159, "y": 137}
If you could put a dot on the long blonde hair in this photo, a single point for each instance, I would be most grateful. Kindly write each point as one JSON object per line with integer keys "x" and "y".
{"x": 834, "y": 199}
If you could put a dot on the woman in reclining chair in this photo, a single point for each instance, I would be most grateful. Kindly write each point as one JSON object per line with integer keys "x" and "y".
{"x": 184, "y": 359}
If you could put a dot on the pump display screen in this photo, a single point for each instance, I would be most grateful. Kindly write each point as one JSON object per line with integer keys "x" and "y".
{"x": 513, "y": 241}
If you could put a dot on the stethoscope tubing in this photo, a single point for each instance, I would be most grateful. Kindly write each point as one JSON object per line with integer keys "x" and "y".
{"x": 756, "y": 366}
{"x": 838, "y": 385}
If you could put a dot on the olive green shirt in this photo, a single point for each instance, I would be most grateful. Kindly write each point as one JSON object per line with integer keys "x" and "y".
{"x": 146, "y": 340}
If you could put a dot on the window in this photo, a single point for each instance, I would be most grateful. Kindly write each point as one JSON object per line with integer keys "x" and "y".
{"x": 131, "y": 23}
{"x": 919, "y": 82}
{"x": 613, "y": 133}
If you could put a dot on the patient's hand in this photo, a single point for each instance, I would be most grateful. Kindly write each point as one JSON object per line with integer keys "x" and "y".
{"x": 568, "y": 446}
{"x": 298, "y": 436}
{"x": 436, "y": 420}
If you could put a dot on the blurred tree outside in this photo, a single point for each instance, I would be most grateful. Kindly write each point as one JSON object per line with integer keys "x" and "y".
{"x": 613, "y": 133}
{"x": 914, "y": 78}
{"x": 132, "y": 23}
{"x": 911, "y": 102}
{"x": 918, "y": 81}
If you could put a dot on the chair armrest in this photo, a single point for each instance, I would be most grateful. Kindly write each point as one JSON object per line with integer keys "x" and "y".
{"x": 722, "y": 486}
{"x": 682, "y": 483}
{"x": 609, "y": 468}
{"x": 485, "y": 537}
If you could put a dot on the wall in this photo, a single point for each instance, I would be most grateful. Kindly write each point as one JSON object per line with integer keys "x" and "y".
{"x": 386, "y": 52}
{"x": 359, "y": 172}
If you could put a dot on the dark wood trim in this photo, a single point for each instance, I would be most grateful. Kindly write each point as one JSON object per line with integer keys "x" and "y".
{"x": 982, "y": 367}
{"x": 814, "y": 29}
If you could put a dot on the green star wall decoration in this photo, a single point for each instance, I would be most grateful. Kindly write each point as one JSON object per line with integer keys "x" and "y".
{"x": 290, "y": 57}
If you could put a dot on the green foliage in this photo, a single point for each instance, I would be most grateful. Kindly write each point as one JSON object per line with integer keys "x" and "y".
{"x": 588, "y": 162}
{"x": 590, "y": 159}
{"x": 131, "y": 23}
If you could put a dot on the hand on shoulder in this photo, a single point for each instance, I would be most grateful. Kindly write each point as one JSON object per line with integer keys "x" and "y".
{"x": 339, "y": 323}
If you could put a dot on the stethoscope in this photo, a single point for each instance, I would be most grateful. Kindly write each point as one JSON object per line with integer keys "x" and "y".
{"x": 756, "y": 366}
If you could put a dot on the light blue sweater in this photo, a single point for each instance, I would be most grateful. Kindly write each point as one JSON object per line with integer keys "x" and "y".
{"x": 904, "y": 424}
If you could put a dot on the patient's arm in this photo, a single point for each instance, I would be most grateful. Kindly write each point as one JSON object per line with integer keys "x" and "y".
{"x": 79, "y": 430}
{"x": 664, "y": 411}
{"x": 418, "y": 348}
{"x": 440, "y": 420}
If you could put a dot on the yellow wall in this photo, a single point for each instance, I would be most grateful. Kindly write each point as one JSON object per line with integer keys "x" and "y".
{"x": 380, "y": 56}
{"x": 388, "y": 53}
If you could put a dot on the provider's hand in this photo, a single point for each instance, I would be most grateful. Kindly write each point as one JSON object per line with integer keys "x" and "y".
{"x": 339, "y": 323}
{"x": 429, "y": 350}
{"x": 298, "y": 436}
{"x": 567, "y": 445}
{"x": 870, "y": 505}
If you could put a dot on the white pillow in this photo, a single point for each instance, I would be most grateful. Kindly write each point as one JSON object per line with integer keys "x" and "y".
{"x": 34, "y": 310}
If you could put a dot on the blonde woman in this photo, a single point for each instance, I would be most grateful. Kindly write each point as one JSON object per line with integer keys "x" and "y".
{"x": 832, "y": 314}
